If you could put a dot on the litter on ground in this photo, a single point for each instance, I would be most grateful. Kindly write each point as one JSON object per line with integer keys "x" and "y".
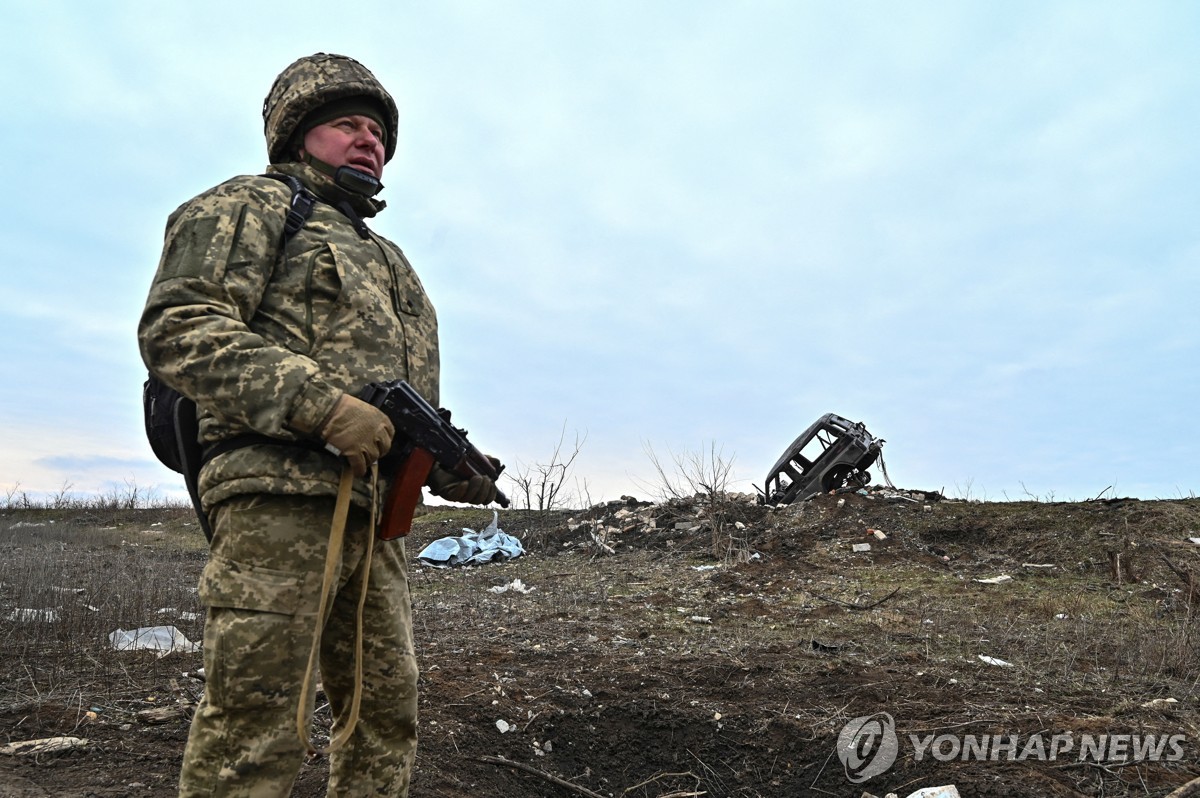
{"x": 46, "y": 745}
{"x": 26, "y": 614}
{"x": 473, "y": 548}
{"x": 515, "y": 585}
{"x": 994, "y": 661}
{"x": 163, "y": 639}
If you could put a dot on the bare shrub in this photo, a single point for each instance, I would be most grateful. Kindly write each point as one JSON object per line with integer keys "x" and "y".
{"x": 16, "y": 499}
{"x": 703, "y": 475}
{"x": 128, "y": 496}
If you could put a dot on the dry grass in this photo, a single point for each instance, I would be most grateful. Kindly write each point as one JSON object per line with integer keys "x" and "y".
{"x": 667, "y": 668}
{"x": 69, "y": 578}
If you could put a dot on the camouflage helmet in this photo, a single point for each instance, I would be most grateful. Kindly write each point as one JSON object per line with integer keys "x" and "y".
{"x": 313, "y": 81}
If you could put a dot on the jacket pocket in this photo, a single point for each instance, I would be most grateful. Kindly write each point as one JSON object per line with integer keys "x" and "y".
{"x": 228, "y": 583}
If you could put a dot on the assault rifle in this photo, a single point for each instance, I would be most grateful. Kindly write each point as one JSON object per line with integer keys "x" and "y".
{"x": 424, "y": 436}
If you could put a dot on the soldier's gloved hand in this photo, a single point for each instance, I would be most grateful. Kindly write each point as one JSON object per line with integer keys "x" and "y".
{"x": 479, "y": 489}
{"x": 361, "y": 432}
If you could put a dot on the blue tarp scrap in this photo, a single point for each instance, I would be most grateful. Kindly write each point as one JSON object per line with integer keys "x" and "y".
{"x": 473, "y": 548}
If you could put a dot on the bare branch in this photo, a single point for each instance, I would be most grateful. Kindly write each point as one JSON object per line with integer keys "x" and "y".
{"x": 499, "y": 760}
{"x": 540, "y": 486}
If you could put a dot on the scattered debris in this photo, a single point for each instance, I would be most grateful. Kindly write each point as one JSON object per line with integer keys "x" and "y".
{"x": 878, "y": 534}
{"x": 183, "y": 616}
{"x": 994, "y": 661}
{"x": 515, "y": 585}
{"x": 861, "y": 547}
{"x": 157, "y": 715}
{"x": 1161, "y": 703}
{"x": 34, "y": 616}
{"x": 600, "y": 544}
{"x": 994, "y": 580}
{"x": 896, "y": 495}
{"x": 504, "y": 726}
{"x": 46, "y": 745}
{"x": 609, "y": 527}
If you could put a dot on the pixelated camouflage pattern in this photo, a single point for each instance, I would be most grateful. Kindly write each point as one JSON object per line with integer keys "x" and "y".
{"x": 262, "y": 589}
{"x": 311, "y": 82}
{"x": 266, "y": 344}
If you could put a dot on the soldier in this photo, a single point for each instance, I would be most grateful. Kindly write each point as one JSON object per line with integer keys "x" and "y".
{"x": 272, "y": 337}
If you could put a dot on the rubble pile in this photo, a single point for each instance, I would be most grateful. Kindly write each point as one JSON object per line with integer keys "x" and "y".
{"x": 682, "y": 522}
{"x": 890, "y": 493}
{"x": 628, "y": 521}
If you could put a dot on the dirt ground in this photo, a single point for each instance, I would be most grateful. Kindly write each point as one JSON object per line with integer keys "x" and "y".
{"x": 704, "y": 647}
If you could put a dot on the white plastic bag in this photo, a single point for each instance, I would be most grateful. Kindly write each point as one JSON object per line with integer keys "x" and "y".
{"x": 163, "y": 639}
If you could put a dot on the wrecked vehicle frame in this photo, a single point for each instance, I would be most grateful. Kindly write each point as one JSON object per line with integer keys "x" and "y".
{"x": 834, "y": 452}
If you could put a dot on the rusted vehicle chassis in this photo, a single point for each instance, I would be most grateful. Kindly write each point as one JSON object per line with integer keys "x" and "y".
{"x": 834, "y": 452}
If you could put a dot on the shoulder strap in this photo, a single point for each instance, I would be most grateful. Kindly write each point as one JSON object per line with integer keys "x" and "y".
{"x": 172, "y": 425}
{"x": 303, "y": 202}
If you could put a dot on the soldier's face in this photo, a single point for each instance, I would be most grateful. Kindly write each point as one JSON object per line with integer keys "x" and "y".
{"x": 355, "y": 141}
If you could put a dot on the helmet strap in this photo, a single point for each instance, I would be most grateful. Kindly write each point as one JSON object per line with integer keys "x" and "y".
{"x": 353, "y": 180}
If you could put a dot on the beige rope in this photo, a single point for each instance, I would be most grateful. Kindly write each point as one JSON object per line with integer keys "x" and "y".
{"x": 337, "y": 535}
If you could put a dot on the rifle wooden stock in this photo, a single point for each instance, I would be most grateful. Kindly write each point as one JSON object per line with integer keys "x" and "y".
{"x": 405, "y": 494}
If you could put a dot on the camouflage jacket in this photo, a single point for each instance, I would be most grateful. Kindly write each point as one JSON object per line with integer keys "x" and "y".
{"x": 265, "y": 341}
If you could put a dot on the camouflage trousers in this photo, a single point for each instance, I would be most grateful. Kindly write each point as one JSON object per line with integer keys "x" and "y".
{"x": 262, "y": 587}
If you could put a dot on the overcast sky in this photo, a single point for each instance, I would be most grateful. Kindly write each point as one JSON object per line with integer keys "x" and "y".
{"x": 669, "y": 225}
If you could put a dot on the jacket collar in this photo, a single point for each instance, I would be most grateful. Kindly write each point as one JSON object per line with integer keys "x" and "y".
{"x": 326, "y": 190}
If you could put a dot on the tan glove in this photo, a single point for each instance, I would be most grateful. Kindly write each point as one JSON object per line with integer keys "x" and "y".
{"x": 479, "y": 489}
{"x": 360, "y": 432}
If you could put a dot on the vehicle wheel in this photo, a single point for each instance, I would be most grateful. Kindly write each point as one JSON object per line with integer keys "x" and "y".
{"x": 836, "y": 478}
